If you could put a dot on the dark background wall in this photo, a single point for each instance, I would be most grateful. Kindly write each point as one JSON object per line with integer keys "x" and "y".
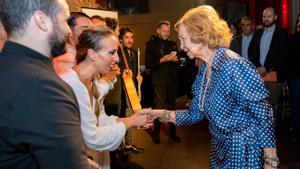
{"x": 143, "y": 15}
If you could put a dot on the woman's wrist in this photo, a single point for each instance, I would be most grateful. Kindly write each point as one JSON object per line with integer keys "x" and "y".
{"x": 270, "y": 157}
{"x": 167, "y": 116}
{"x": 271, "y": 160}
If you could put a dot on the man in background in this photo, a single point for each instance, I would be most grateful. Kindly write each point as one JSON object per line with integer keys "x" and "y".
{"x": 161, "y": 59}
{"x": 78, "y": 22}
{"x": 267, "y": 51}
{"x": 126, "y": 38}
{"x": 240, "y": 43}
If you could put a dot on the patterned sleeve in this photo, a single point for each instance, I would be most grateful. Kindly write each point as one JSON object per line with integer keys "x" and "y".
{"x": 193, "y": 114}
{"x": 251, "y": 94}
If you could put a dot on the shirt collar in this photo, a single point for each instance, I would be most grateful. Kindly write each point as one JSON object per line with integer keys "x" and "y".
{"x": 248, "y": 36}
{"x": 21, "y": 50}
{"x": 270, "y": 29}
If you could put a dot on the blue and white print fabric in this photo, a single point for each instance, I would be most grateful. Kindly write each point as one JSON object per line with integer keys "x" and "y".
{"x": 240, "y": 118}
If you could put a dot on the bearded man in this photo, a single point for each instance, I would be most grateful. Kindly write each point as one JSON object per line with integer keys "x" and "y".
{"x": 39, "y": 114}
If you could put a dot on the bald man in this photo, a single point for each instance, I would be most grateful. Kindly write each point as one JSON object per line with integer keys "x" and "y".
{"x": 267, "y": 51}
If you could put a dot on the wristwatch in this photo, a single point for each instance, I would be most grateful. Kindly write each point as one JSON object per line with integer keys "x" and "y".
{"x": 271, "y": 160}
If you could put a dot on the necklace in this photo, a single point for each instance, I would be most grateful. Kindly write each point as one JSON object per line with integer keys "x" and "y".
{"x": 203, "y": 94}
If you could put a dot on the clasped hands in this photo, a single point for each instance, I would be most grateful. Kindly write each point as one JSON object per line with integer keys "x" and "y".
{"x": 144, "y": 118}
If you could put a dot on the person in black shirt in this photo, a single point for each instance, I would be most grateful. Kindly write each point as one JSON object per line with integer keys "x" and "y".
{"x": 39, "y": 114}
{"x": 161, "y": 59}
{"x": 126, "y": 38}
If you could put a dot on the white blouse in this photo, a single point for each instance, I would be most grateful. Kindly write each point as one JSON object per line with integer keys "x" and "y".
{"x": 109, "y": 134}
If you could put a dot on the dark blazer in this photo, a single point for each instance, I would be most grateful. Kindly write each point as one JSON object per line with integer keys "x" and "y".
{"x": 39, "y": 114}
{"x": 156, "y": 48}
{"x": 277, "y": 53}
{"x": 236, "y": 44}
{"x": 293, "y": 69}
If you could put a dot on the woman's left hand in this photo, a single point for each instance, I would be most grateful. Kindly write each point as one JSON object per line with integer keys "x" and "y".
{"x": 270, "y": 153}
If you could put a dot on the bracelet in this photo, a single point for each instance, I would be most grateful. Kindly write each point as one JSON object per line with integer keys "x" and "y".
{"x": 271, "y": 160}
{"x": 165, "y": 117}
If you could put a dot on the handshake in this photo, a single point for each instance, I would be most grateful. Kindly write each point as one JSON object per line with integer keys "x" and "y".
{"x": 144, "y": 118}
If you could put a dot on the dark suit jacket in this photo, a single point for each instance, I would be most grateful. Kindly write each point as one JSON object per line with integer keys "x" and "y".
{"x": 236, "y": 44}
{"x": 293, "y": 61}
{"x": 39, "y": 114}
{"x": 277, "y": 53}
{"x": 156, "y": 48}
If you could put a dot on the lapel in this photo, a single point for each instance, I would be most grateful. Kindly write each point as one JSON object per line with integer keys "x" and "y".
{"x": 274, "y": 39}
{"x": 259, "y": 35}
{"x": 272, "y": 45}
{"x": 240, "y": 41}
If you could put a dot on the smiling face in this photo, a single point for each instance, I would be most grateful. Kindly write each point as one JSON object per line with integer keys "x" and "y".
{"x": 164, "y": 31}
{"x": 107, "y": 55}
{"x": 127, "y": 40}
{"x": 192, "y": 49}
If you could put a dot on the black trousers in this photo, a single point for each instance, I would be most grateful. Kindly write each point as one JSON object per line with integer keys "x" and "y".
{"x": 295, "y": 91}
{"x": 164, "y": 98}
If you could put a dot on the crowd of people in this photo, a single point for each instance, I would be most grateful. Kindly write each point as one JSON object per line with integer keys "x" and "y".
{"x": 65, "y": 104}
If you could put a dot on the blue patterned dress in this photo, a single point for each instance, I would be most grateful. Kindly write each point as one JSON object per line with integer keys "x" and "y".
{"x": 240, "y": 118}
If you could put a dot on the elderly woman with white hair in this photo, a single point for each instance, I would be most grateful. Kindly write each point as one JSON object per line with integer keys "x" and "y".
{"x": 228, "y": 92}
